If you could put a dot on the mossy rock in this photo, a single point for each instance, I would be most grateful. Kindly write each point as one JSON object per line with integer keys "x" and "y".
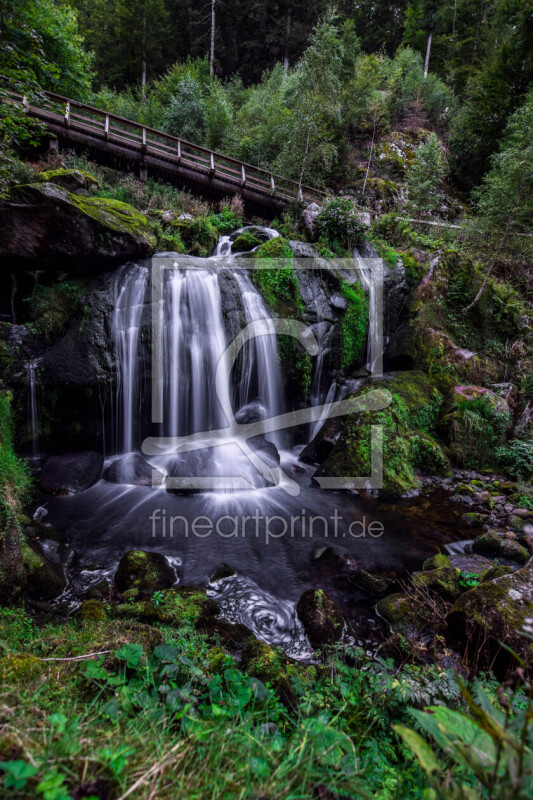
{"x": 44, "y": 578}
{"x": 70, "y": 179}
{"x": 245, "y": 242}
{"x": 496, "y": 572}
{"x": 495, "y": 610}
{"x": 271, "y": 666}
{"x": 474, "y": 519}
{"x": 394, "y": 609}
{"x": 142, "y": 611}
{"x": 45, "y": 223}
{"x": 20, "y": 668}
{"x": 321, "y": 617}
{"x": 444, "y": 581}
{"x": 375, "y": 585}
{"x": 198, "y": 235}
{"x": 438, "y": 561}
{"x": 488, "y": 544}
{"x": 466, "y": 489}
{"x": 514, "y": 551}
{"x": 454, "y": 427}
{"x": 505, "y": 487}
{"x": 92, "y": 610}
{"x": 99, "y": 591}
{"x": 145, "y": 571}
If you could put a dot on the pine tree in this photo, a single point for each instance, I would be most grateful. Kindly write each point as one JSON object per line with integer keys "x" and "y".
{"x": 425, "y": 175}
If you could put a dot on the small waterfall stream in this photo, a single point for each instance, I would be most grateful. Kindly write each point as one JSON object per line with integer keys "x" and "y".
{"x": 130, "y": 290}
{"x": 31, "y": 367}
{"x": 370, "y": 277}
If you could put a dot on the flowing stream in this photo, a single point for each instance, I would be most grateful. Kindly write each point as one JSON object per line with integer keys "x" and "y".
{"x": 270, "y": 531}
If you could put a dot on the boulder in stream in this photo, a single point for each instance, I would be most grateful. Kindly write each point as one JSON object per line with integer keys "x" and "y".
{"x": 321, "y": 617}
{"x": 145, "y": 571}
{"x": 71, "y": 473}
{"x": 132, "y": 469}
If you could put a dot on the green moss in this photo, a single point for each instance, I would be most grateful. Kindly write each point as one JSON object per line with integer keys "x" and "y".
{"x": 354, "y": 324}
{"x": 394, "y": 608}
{"x": 52, "y": 308}
{"x": 19, "y": 668}
{"x": 198, "y": 235}
{"x": 116, "y": 215}
{"x": 69, "y": 178}
{"x": 244, "y": 242}
{"x": 92, "y": 610}
{"x": 444, "y": 581}
{"x": 437, "y": 561}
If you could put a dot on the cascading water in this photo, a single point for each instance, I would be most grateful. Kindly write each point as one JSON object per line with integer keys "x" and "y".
{"x": 130, "y": 290}
{"x": 31, "y": 367}
{"x": 370, "y": 277}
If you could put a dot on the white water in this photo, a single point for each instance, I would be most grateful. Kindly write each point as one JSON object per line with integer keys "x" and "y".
{"x": 370, "y": 276}
{"x": 33, "y": 408}
{"x": 130, "y": 290}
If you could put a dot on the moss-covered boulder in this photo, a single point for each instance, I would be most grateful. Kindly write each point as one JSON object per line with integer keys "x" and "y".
{"x": 473, "y": 421}
{"x": 198, "y": 235}
{"x": 373, "y": 584}
{"x": 45, "y": 579}
{"x": 92, "y": 609}
{"x": 245, "y": 242}
{"x": 446, "y": 582}
{"x": 147, "y": 572}
{"x": 71, "y": 179}
{"x": 321, "y": 617}
{"x": 46, "y": 224}
{"x": 438, "y": 561}
{"x": 395, "y": 610}
{"x": 496, "y": 546}
{"x": 495, "y": 611}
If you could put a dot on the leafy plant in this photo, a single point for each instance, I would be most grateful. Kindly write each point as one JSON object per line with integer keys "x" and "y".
{"x": 516, "y": 458}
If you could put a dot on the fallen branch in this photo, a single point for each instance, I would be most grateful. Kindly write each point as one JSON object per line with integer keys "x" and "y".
{"x": 79, "y": 658}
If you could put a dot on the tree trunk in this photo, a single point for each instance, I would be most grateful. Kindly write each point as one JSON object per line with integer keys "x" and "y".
{"x": 428, "y": 53}
{"x": 371, "y": 154}
{"x": 212, "y": 44}
{"x": 143, "y": 55}
{"x": 287, "y": 38}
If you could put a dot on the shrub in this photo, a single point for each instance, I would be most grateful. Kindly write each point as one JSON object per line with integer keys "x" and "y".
{"x": 478, "y": 429}
{"x": 339, "y": 223}
{"x": 354, "y": 324}
{"x": 516, "y": 458}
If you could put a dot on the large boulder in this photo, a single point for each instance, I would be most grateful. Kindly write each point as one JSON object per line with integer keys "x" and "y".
{"x": 495, "y": 611}
{"x": 146, "y": 572}
{"x": 74, "y": 180}
{"x": 71, "y": 473}
{"x": 45, "y": 224}
{"x": 321, "y": 617}
{"x": 45, "y": 579}
{"x": 493, "y": 416}
{"x": 131, "y": 469}
{"x": 308, "y": 219}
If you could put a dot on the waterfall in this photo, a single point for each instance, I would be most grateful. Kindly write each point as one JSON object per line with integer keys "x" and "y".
{"x": 33, "y": 409}
{"x": 194, "y": 341}
{"x": 261, "y": 373}
{"x": 370, "y": 277}
{"x": 129, "y": 295}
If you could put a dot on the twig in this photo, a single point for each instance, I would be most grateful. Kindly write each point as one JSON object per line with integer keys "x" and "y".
{"x": 78, "y": 658}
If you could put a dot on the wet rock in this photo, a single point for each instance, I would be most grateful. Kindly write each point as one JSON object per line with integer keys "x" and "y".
{"x": 132, "y": 470}
{"x": 497, "y": 572}
{"x": 476, "y": 564}
{"x": 438, "y": 561}
{"x": 71, "y": 473}
{"x": 45, "y": 579}
{"x": 71, "y": 179}
{"x": 223, "y": 571}
{"x": 495, "y": 611}
{"x": 99, "y": 591}
{"x": 148, "y": 572}
{"x": 444, "y": 581}
{"x": 321, "y": 617}
{"x": 395, "y": 609}
{"x": 372, "y": 584}
{"x": 308, "y": 219}
{"x": 92, "y": 610}
{"x": 474, "y": 519}
{"x": 488, "y": 544}
{"x": 46, "y": 224}
{"x": 252, "y": 412}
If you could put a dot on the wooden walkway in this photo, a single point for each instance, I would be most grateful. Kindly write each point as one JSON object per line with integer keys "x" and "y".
{"x": 152, "y": 151}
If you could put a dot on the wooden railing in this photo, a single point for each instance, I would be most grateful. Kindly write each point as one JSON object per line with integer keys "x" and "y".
{"x": 147, "y": 144}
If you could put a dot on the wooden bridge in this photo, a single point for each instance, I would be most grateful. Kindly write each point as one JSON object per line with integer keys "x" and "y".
{"x": 151, "y": 151}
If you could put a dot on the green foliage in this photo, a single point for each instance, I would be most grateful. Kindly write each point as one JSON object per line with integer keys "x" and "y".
{"x": 41, "y": 49}
{"x": 185, "y": 115}
{"x": 354, "y": 325}
{"x": 339, "y": 225}
{"x": 516, "y": 459}
{"x": 226, "y": 221}
{"x": 489, "y": 747}
{"x": 469, "y": 580}
{"x": 479, "y": 428}
{"x": 424, "y": 176}
{"x": 15, "y": 478}
{"x": 52, "y": 308}
{"x": 504, "y": 199}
